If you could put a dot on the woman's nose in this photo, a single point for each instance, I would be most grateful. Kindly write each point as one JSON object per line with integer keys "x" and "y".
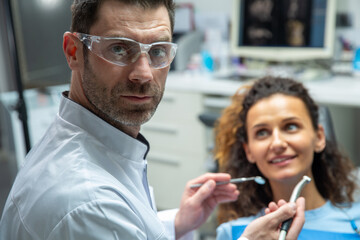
{"x": 278, "y": 141}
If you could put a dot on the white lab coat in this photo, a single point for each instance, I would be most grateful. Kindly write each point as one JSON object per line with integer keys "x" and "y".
{"x": 84, "y": 180}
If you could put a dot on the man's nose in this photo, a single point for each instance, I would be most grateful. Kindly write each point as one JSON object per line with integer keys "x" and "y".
{"x": 141, "y": 71}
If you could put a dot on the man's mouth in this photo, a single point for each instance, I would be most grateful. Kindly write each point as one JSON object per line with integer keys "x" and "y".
{"x": 137, "y": 97}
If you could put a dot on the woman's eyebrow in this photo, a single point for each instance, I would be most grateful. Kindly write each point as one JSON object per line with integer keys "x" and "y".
{"x": 259, "y": 125}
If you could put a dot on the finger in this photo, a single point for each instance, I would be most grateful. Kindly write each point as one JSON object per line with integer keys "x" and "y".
{"x": 272, "y": 207}
{"x": 227, "y": 198}
{"x": 204, "y": 191}
{"x": 283, "y": 213}
{"x": 214, "y": 176}
{"x": 228, "y": 189}
{"x": 267, "y": 211}
{"x": 281, "y": 202}
{"x": 222, "y": 197}
{"x": 226, "y": 186}
{"x": 229, "y": 192}
{"x": 298, "y": 220}
{"x": 224, "y": 189}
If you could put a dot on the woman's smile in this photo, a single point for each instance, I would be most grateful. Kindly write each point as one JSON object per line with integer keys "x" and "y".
{"x": 281, "y": 137}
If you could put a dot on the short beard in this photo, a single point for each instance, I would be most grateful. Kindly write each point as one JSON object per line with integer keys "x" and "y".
{"x": 105, "y": 102}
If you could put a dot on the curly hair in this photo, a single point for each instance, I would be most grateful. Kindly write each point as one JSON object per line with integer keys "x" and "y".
{"x": 84, "y": 12}
{"x": 331, "y": 169}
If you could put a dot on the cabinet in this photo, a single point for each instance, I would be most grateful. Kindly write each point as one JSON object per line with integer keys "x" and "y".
{"x": 177, "y": 146}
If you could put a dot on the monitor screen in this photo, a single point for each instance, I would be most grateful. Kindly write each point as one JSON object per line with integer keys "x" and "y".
{"x": 39, "y": 28}
{"x": 283, "y": 30}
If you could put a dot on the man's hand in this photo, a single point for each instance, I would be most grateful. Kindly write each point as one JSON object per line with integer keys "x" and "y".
{"x": 268, "y": 226}
{"x": 198, "y": 203}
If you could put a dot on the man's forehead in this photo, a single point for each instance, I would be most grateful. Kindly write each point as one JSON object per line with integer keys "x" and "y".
{"x": 116, "y": 19}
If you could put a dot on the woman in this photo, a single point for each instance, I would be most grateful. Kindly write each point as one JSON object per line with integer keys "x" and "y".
{"x": 271, "y": 129}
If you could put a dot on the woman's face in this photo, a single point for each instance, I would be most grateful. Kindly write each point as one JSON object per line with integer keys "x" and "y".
{"x": 281, "y": 138}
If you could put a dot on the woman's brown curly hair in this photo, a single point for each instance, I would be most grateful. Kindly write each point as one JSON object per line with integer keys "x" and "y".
{"x": 331, "y": 170}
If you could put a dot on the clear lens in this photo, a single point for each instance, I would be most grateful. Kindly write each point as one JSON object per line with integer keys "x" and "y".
{"x": 161, "y": 54}
{"x": 124, "y": 51}
{"x": 121, "y": 52}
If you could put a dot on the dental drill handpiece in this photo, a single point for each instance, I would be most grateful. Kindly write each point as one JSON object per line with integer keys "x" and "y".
{"x": 294, "y": 195}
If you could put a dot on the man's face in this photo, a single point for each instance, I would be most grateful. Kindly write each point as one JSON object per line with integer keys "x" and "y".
{"x": 126, "y": 95}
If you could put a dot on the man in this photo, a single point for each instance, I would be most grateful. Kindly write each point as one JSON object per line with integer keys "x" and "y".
{"x": 86, "y": 179}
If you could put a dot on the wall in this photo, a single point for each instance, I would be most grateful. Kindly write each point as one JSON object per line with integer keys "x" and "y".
{"x": 345, "y": 119}
{"x": 347, "y": 130}
{"x": 210, "y": 6}
{"x": 6, "y": 71}
{"x": 351, "y": 8}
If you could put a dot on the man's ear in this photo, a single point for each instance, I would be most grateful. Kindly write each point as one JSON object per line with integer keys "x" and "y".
{"x": 320, "y": 139}
{"x": 248, "y": 153}
{"x": 72, "y": 53}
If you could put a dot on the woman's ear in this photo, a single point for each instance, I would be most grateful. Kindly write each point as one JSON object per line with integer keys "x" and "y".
{"x": 248, "y": 153}
{"x": 72, "y": 53}
{"x": 320, "y": 139}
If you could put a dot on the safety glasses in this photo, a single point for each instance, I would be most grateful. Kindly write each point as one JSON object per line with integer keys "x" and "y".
{"x": 124, "y": 51}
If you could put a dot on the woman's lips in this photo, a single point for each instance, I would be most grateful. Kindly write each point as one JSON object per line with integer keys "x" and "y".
{"x": 281, "y": 159}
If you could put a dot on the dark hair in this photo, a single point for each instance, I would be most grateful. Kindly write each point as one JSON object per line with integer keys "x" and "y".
{"x": 84, "y": 12}
{"x": 331, "y": 170}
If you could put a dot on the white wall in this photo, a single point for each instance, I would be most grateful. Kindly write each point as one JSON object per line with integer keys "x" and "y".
{"x": 210, "y": 5}
{"x": 352, "y": 7}
{"x": 351, "y": 34}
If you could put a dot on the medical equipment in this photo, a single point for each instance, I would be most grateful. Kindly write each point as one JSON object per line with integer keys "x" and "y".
{"x": 294, "y": 195}
{"x": 257, "y": 179}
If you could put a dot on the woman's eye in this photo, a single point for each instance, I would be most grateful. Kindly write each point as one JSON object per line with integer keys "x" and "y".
{"x": 261, "y": 133}
{"x": 291, "y": 127}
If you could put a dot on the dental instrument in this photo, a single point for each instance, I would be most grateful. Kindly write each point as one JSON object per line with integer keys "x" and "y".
{"x": 294, "y": 195}
{"x": 257, "y": 179}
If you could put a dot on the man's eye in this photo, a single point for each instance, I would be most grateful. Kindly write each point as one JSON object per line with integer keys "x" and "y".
{"x": 118, "y": 50}
{"x": 158, "y": 51}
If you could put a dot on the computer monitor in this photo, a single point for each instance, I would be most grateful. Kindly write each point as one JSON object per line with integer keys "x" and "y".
{"x": 283, "y": 30}
{"x": 39, "y": 28}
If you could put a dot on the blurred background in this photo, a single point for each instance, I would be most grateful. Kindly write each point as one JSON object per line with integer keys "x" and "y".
{"x": 222, "y": 45}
